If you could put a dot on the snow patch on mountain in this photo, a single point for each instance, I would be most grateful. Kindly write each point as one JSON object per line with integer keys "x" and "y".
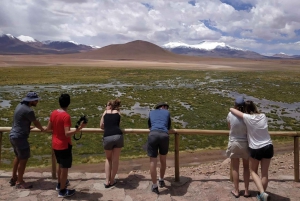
{"x": 26, "y": 39}
{"x": 94, "y": 46}
{"x": 205, "y": 45}
{"x": 9, "y": 35}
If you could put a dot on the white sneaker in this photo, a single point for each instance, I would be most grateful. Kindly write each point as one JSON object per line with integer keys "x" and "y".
{"x": 265, "y": 197}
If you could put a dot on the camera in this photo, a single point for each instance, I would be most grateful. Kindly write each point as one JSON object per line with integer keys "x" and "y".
{"x": 82, "y": 118}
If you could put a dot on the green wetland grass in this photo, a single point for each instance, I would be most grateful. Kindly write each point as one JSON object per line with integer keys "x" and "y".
{"x": 197, "y": 99}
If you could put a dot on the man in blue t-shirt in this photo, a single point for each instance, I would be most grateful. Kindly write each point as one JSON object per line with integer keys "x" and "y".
{"x": 159, "y": 123}
{"x": 23, "y": 116}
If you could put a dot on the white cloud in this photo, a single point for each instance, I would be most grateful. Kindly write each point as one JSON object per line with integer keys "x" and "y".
{"x": 268, "y": 25}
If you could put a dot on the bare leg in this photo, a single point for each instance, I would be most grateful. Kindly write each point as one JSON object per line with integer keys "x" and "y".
{"x": 265, "y": 163}
{"x": 246, "y": 175}
{"x": 15, "y": 169}
{"x": 63, "y": 177}
{"x": 115, "y": 163}
{"x": 235, "y": 162}
{"x": 153, "y": 172}
{"x": 253, "y": 169}
{"x": 21, "y": 170}
{"x": 163, "y": 165}
{"x": 108, "y": 165}
{"x": 58, "y": 174}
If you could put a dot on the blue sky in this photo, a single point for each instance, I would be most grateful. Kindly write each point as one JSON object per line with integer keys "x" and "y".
{"x": 264, "y": 26}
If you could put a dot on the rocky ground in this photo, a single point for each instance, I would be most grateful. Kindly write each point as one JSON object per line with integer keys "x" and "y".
{"x": 206, "y": 182}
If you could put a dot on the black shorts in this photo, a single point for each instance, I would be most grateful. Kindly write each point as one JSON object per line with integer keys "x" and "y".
{"x": 157, "y": 140}
{"x": 264, "y": 152}
{"x": 21, "y": 148}
{"x": 64, "y": 157}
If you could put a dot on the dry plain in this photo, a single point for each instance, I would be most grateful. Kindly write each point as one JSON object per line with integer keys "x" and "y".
{"x": 185, "y": 63}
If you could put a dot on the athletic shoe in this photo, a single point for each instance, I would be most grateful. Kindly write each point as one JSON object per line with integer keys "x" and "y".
{"x": 58, "y": 185}
{"x": 66, "y": 193}
{"x": 265, "y": 197}
{"x": 161, "y": 183}
{"x": 155, "y": 190}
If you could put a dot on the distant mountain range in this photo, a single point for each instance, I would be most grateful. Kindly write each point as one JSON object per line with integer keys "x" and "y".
{"x": 217, "y": 49}
{"x": 28, "y": 45}
{"x": 10, "y": 44}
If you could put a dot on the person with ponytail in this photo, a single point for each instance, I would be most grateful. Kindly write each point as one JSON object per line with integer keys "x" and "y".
{"x": 260, "y": 144}
{"x": 238, "y": 147}
{"x": 113, "y": 140}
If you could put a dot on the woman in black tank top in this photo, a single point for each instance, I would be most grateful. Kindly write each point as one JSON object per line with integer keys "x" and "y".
{"x": 113, "y": 140}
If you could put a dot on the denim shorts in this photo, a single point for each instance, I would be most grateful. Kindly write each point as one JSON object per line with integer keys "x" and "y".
{"x": 264, "y": 152}
{"x": 113, "y": 141}
{"x": 21, "y": 148}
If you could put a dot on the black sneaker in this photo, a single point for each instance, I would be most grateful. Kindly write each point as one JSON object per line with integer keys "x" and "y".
{"x": 12, "y": 182}
{"x": 66, "y": 193}
{"x": 161, "y": 183}
{"x": 155, "y": 190}
{"x": 58, "y": 185}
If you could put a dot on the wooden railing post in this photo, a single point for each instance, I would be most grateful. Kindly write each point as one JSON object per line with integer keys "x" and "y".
{"x": 53, "y": 165}
{"x": 296, "y": 159}
{"x": 0, "y": 146}
{"x": 177, "y": 157}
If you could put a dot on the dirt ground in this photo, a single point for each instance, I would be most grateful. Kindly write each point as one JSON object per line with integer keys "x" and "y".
{"x": 227, "y": 64}
{"x": 186, "y": 159}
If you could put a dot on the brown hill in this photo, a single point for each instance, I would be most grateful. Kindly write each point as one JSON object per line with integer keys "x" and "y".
{"x": 136, "y": 50}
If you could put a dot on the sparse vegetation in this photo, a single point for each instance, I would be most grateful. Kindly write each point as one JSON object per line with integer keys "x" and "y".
{"x": 196, "y": 98}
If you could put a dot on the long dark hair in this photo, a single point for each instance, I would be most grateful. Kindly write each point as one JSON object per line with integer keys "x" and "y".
{"x": 240, "y": 107}
{"x": 250, "y": 108}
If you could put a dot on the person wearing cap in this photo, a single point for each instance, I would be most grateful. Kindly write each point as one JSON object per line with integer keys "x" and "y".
{"x": 260, "y": 144}
{"x": 60, "y": 124}
{"x": 159, "y": 123}
{"x": 238, "y": 147}
{"x": 22, "y": 119}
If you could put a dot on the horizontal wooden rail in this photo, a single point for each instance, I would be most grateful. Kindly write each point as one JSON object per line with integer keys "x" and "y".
{"x": 177, "y": 132}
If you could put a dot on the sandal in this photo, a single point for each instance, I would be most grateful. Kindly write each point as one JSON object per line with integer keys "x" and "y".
{"x": 24, "y": 186}
{"x": 236, "y": 196}
{"x": 13, "y": 181}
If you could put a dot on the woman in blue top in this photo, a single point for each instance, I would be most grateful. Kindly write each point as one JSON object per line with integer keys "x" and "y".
{"x": 113, "y": 140}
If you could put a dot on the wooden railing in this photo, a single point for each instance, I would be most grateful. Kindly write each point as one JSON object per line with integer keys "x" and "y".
{"x": 177, "y": 132}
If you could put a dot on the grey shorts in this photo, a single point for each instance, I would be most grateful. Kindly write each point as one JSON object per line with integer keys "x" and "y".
{"x": 113, "y": 141}
{"x": 158, "y": 141}
{"x": 21, "y": 148}
{"x": 238, "y": 149}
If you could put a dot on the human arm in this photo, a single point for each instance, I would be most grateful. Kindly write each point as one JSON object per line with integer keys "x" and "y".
{"x": 68, "y": 131}
{"x": 38, "y": 125}
{"x": 149, "y": 123}
{"x": 169, "y": 123}
{"x": 236, "y": 112}
{"x": 102, "y": 120}
{"x": 49, "y": 127}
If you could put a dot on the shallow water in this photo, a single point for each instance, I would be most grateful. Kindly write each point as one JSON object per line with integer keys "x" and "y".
{"x": 281, "y": 109}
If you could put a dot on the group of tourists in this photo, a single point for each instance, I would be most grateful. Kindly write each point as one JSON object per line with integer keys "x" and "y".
{"x": 60, "y": 125}
{"x": 248, "y": 139}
